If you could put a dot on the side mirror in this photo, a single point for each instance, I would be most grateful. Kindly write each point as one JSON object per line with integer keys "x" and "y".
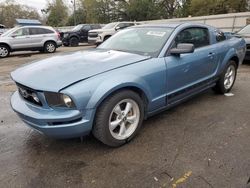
{"x": 182, "y": 48}
{"x": 13, "y": 36}
{"x": 117, "y": 28}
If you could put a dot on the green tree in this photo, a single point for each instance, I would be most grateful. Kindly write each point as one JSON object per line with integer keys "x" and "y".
{"x": 139, "y": 10}
{"x": 210, "y": 7}
{"x": 58, "y": 13}
{"x": 80, "y": 16}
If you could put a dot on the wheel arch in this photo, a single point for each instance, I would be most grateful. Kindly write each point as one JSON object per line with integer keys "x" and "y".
{"x": 144, "y": 95}
{"x": 3, "y": 43}
{"x": 49, "y": 41}
{"x": 107, "y": 36}
{"x": 74, "y": 36}
{"x": 236, "y": 60}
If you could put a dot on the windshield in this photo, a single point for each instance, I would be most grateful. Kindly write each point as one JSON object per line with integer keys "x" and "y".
{"x": 110, "y": 25}
{"x": 6, "y": 33}
{"x": 143, "y": 41}
{"x": 245, "y": 30}
{"x": 77, "y": 28}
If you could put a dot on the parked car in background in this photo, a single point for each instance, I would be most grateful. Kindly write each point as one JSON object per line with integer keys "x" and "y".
{"x": 29, "y": 38}
{"x": 138, "y": 72}
{"x": 78, "y": 34}
{"x": 2, "y": 29}
{"x": 245, "y": 33}
{"x": 97, "y": 36}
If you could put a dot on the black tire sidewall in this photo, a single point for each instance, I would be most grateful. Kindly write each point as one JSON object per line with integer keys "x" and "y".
{"x": 105, "y": 110}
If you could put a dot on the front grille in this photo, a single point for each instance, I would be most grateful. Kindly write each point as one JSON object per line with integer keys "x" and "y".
{"x": 93, "y": 35}
{"x": 29, "y": 94}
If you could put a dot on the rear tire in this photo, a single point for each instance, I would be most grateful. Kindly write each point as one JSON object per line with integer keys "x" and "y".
{"x": 74, "y": 42}
{"x": 227, "y": 78}
{"x": 119, "y": 118}
{"x": 4, "y": 51}
{"x": 50, "y": 47}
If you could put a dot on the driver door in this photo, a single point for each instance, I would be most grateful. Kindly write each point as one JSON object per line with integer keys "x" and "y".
{"x": 84, "y": 33}
{"x": 187, "y": 72}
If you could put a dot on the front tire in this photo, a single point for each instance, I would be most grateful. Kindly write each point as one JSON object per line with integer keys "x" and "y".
{"x": 119, "y": 118}
{"x": 4, "y": 51}
{"x": 227, "y": 79}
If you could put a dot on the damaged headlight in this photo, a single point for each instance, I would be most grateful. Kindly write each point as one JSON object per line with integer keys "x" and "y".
{"x": 59, "y": 100}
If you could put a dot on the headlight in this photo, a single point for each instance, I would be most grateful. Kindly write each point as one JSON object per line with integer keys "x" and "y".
{"x": 59, "y": 100}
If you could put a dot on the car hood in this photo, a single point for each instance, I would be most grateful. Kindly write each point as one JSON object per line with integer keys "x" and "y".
{"x": 58, "y": 72}
{"x": 100, "y": 30}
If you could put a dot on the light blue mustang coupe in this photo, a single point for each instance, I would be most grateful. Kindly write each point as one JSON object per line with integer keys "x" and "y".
{"x": 138, "y": 72}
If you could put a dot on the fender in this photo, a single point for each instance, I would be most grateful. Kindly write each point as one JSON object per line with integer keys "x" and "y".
{"x": 74, "y": 35}
{"x": 230, "y": 54}
{"x": 5, "y": 43}
{"x": 105, "y": 88}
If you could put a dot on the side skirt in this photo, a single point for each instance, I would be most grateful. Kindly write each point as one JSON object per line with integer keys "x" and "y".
{"x": 179, "y": 97}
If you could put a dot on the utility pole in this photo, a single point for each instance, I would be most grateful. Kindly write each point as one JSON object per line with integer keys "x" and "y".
{"x": 74, "y": 13}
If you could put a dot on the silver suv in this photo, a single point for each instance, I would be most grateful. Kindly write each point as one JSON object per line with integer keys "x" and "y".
{"x": 29, "y": 38}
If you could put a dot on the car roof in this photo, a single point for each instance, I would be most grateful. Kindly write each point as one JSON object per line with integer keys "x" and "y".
{"x": 172, "y": 24}
{"x": 37, "y": 26}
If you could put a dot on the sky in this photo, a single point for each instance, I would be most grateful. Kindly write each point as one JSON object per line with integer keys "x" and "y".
{"x": 37, "y": 4}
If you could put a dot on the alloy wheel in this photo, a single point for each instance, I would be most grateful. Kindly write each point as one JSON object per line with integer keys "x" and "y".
{"x": 229, "y": 77}
{"x": 3, "y": 51}
{"x": 124, "y": 119}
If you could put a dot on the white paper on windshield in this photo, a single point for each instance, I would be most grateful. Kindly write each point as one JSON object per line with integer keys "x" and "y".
{"x": 156, "y": 33}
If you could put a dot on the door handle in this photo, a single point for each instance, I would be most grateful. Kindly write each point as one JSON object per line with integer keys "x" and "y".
{"x": 211, "y": 55}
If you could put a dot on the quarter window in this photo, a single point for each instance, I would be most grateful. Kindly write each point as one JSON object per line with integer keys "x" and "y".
{"x": 199, "y": 37}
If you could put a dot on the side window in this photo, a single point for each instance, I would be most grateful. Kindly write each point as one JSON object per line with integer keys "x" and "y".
{"x": 39, "y": 31}
{"x": 220, "y": 36}
{"x": 199, "y": 37}
{"x": 124, "y": 25}
{"x": 86, "y": 28}
{"x": 35, "y": 31}
{"x": 95, "y": 26}
{"x": 21, "y": 32}
{"x": 121, "y": 25}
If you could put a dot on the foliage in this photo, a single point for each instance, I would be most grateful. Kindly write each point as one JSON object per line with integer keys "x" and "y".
{"x": 210, "y": 7}
{"x": 10, "y": 11}
{"x": 58, "y": 13}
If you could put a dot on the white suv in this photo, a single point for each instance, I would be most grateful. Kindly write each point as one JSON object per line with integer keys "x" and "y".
{"x": 29, "y": 38}
{"x": 98, "y": 36}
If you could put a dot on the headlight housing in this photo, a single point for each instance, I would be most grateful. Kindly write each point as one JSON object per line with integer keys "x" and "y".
{"x": 59, "y": 100}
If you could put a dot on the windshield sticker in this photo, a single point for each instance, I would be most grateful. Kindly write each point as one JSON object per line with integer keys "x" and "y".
{"x": 156, "y": 33}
